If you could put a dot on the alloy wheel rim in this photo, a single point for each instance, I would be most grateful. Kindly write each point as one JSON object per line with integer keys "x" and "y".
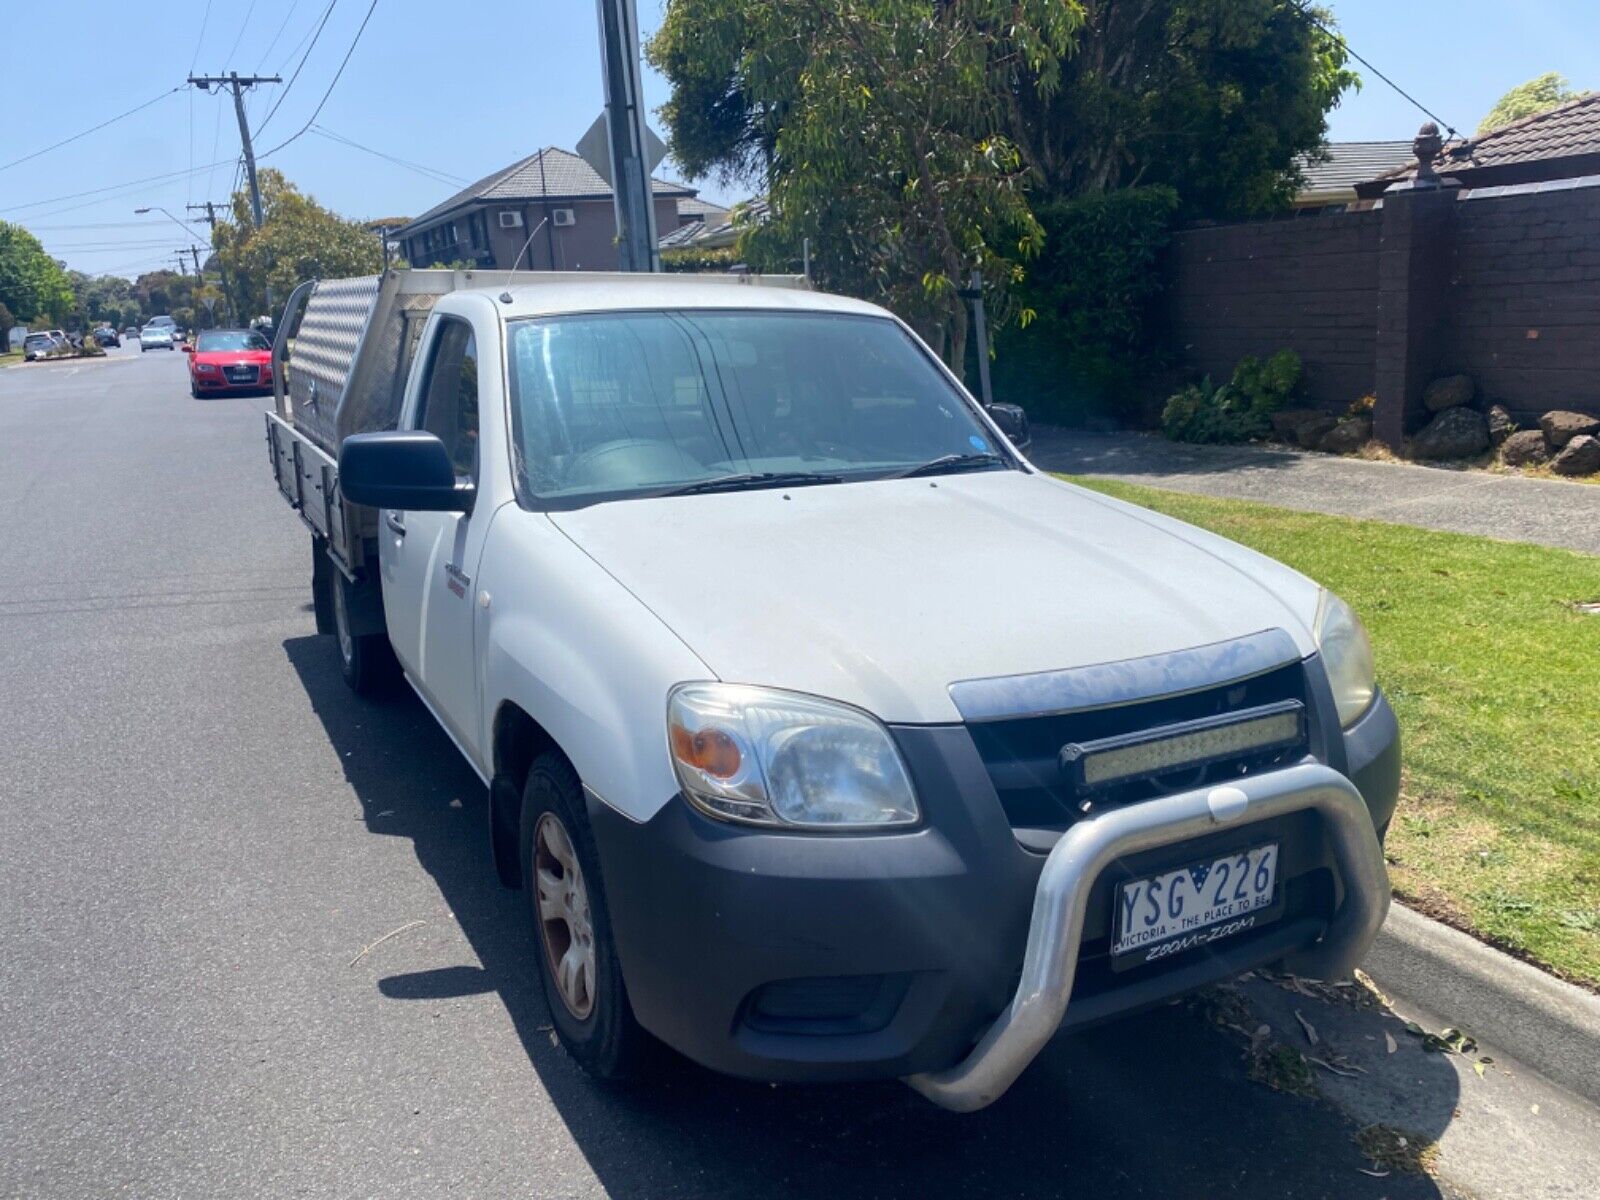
{"x": 565, "y": 927}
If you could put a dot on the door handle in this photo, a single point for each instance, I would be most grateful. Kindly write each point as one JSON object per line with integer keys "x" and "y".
{"x": 395, "y": 524}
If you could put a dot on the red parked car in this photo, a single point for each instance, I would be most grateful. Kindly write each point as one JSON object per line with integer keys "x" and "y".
{"x": 229, "y": 360}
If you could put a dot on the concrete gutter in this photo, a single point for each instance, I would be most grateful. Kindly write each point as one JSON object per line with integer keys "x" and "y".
{"x": 1543, "y": 1023}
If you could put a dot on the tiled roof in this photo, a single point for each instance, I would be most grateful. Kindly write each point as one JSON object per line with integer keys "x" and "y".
{"x": 565, "y": 176}
{"x": 717, "y": 232}
{"x": 693, "y": 206}
{"x": 1350, "y": 163}
{"x": 1566, "y": 131}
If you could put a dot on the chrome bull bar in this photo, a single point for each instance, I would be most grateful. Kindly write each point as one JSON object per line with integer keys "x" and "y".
{"x": 1090, "y": 846}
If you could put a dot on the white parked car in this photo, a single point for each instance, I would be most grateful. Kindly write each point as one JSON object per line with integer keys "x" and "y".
{"x": 828, "y": 737}
{"x": 36, "y": 345}
{"x": 155, "y": 337}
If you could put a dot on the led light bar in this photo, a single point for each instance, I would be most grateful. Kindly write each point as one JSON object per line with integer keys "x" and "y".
{"x": 1188, "y": 744}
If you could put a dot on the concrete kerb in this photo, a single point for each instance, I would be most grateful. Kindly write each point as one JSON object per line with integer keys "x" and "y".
{"x": 1544, "y": 1023}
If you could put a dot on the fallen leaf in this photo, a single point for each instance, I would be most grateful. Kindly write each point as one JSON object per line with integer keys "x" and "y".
{"x": 1389, "y": 1043}
{"x": 1311, "y": 1030}
{"x": 1535, "y": 1110}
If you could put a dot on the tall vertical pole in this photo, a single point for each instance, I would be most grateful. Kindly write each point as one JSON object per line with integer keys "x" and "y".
{"x": 238, "y": 86}
{"x": 195, "y": 250}
{"x": 981, "y": 328}
{"x": 249, "y": 150}
{"x": 625, "y": 123}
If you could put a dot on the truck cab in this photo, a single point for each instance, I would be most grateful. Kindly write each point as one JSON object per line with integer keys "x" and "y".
{"x": 828, "y": 738}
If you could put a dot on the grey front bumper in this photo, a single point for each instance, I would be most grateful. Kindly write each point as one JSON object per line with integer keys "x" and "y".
{"x": 1090, "y": 846}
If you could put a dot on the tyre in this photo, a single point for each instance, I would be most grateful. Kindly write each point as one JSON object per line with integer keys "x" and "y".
{"x": 574, "y": 947}
{"x": 367, "y": 660}
{"x": 194, "y": 391}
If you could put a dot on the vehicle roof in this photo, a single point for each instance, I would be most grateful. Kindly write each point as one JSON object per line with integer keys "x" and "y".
{"x": 654, "y": 293}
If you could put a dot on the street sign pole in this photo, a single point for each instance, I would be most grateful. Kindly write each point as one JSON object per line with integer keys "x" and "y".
{"x": 625, "y": 123}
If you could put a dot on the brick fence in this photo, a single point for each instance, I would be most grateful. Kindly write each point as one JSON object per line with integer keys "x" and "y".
{"x": 1501, "y": 283}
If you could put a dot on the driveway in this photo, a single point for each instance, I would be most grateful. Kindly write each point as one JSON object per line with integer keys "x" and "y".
{"x": 205, "y": 840}
{"x": 1547, "y": 511}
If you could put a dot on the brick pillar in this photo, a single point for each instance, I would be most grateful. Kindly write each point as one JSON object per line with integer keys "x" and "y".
{"x": 1414, "y": 251}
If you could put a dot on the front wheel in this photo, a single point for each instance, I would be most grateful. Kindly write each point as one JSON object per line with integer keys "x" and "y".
{"x": 577, "y": 955}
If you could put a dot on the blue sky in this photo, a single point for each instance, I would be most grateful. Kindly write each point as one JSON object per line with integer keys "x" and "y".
{"x": 465, "y": 87}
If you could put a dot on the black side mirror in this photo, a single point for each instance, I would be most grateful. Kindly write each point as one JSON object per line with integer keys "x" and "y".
{"x": 1013, "y": 423}
{"x": 405, "y": 470}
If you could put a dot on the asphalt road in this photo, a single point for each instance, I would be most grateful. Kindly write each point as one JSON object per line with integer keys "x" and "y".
{"x": 200, "y": 831}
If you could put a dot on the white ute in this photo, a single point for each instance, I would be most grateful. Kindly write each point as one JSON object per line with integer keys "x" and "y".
{"x": 828, "y": 738}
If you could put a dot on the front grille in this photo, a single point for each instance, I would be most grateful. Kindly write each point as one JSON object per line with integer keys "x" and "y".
{"x": 1023, "y": 755}
{"x": 245, "y": 374}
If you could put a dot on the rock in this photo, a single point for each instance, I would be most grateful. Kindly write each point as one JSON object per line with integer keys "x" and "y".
{"x": 1501, "y": 426}
{"x": 1525, "y": 449}
{"x": 1580, "y": 456}
{"x": 1452, "y": 391}
{"x": 1347, "y": 436}
{"x": 1454, "y": 433}
{"x": 1561, "y": 427}
{"x": 1312, "y": 430}
{"x": 1287, "y": 420}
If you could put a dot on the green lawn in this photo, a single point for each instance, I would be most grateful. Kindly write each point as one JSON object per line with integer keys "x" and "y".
{"x": 1495, "y": 674}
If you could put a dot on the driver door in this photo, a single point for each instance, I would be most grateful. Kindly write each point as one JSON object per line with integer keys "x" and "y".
{"x": 435, "y": 554}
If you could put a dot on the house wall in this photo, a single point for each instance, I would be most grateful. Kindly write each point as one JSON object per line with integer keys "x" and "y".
{"x": 1310, "y": 284}
{"x": 1525, "y": 297}
{"x": 588, "y": 245}
{"x": 1500, "y": 283}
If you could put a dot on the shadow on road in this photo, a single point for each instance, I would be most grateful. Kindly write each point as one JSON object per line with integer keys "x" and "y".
{"x": 1159, "y": 1105}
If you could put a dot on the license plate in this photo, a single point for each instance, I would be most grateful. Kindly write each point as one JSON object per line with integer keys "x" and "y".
{"x": 241, "y": 374}
{"x": 1198, "y": 904}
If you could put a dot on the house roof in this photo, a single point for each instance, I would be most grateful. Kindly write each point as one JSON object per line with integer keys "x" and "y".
{"x": 1349, "y": 163}
{"x": 1569, "y": 130}
{"x": 547, "y": 174}
{"x": 693, "y": 206}
{"x": 717, "y": 232}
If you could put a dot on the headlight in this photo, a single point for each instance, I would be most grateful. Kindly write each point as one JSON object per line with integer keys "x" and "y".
{"x": 769, "y": 757}
{"x": 1347, "y": 657}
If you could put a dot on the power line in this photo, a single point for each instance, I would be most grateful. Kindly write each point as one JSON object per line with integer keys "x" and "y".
{"x": 336, "y": 76}
{"x": 101, "y": 225}
{"x": 430, "y": 172}
{"x": 1340, "y": 38}
{"x": 94, "y": 129}
{"x": 283, "y": 95}
{"x": 287, "y": 17}
{"x": 199, "y": 41}
{"x": 243, "y": 25}
{"x": 112, "y": 187}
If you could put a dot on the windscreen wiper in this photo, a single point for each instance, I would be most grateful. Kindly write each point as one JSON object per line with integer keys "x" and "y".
{"x": 751, "y": 479}
{"x": 950, "y": 462}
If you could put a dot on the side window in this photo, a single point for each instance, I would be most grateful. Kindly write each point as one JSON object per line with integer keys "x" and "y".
{"x": 450, "y": 395}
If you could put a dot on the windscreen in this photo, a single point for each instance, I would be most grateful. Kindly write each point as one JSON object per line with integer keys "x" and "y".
{"x": 619, "y": 404}
{"x": 231, "y": 339}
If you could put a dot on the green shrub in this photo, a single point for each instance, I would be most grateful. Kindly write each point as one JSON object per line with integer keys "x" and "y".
{"x": 1095, "y": 336}
{"x": 1240, "y": 409}
{"x": 693, "y": 260}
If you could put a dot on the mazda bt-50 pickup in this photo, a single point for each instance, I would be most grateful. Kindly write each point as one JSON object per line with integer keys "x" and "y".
{"x": 827, "y": 737}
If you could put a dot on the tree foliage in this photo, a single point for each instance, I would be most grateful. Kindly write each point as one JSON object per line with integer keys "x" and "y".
{"x": 1213, "y": 98}
{"x": 1094, "y": 286}
{"x": 34, "y": 286}
{"x": 1526, "y": 99}
{"x": 298, "y": 240}
{"x": 879, "y": 126}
